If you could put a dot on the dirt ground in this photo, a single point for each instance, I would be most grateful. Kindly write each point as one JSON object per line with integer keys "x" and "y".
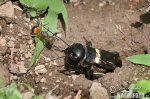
{"x": 108, "y": 26}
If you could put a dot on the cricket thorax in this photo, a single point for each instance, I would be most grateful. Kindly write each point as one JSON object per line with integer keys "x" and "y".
{"x": 92, "y": 56}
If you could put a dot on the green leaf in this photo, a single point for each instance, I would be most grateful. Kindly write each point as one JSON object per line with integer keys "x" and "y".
{"x": 12, "y": 92}
{"x": 143, "y": 59}
{"x": 145, "y": 98}
{"x": 32, "y": 13}
{"x": 118, "y": 97}
{"x": 50, "y": 23}
{"x": 58, "y": 7}
{"x": 35, "y": 7}
{"x": 1, "y": 82}
{"x": 142, "y": 87}
{"x": 38, "y": 49}
{"x": 37, "y": 97}
{"x": 65, "y": 17}
{"x": 2, "y": 95}
{"x": 38, "y": 5}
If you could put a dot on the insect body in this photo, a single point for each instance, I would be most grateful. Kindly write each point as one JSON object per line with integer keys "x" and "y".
{"x": 37, "y": 31}
{"x": 86, "y": 59}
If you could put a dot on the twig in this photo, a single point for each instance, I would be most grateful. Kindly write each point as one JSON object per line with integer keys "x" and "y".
{"x": 78, "y": 95}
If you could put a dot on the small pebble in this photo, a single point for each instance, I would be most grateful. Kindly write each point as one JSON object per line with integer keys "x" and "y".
{"x": 11, "y": 26}
{"x": 74, "y": 77}
{"x": 102, "y": 4}
{"x": 97, "y": 91}
{"x": 57, "y": 81}
{"x": 50, "y": 74}
{"x": 27, "y": 95}
{"x": 11, "y": 44}
{"x": 20, "y": 34}
{"x": 32, "y": 47}
{"x": 22, "y": 68}
{"x": 2, "y": 41}
{"x": 27, "y": 19}
{"x": 46, "y": 64}
{"x": 13, "y": 77}
{"x": 22, "y": 58}
{"x": 44, "y": 88}
{"x": 38, "y": 79}
{"x": 43, "y": 80}
{"x": 40, "y": 69}
{"x": 30, "y": 42}
{"x": 92, "y": 9}
{"x": 12, "y": 39}
{"x": 47, "y": 60}
{"x": 28, "y": 55}
{"x": 59, "y": 35}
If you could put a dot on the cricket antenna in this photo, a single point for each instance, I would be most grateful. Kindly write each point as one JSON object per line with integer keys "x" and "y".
{"x": 57, "y": 37}
{"x": 54, "y": 34}
{"x": 57, "y": 58}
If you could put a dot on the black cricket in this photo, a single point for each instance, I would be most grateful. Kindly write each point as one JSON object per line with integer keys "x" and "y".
{"x": 87, "y": 60}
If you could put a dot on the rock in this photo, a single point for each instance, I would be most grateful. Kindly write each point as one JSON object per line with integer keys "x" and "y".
{"x": 27, "y": 95}
{"x": 40, "y": 69}
{"x": 11, "y": 26}
{"x": 47, "y": 60}
{"x": 82, "y": 83}
{"x": 22, "y": 48}
{"x": 22, "y": 68}
{"x": 59, "y": 35}
{"x": 18, "y": 68}
{"x": 11, "y": 44}
{"x": 13, "y": 77}
{"x": 37, "y": 79}
{"x": 19, "y": 34}
{"x": 51, "y": 97}
{"x": 74, "y": 77}
{"x": 98, "y": 92}
{"x": 22, "y": 58}
{"x": 43, "y": 80}
{"x": 3, "y": 50}
{"x": 103, "y": 3}
{"x": 7, "y": 10}
{"x": 44, "y": 88}
{"x": 2, "y": 41}
{"x": 50, "y": 74}
{"x": 30, "y": 42}
{"x": 57, "y": 81}
{"x": 28, "y": 55}
{"x": 12, "y": 39}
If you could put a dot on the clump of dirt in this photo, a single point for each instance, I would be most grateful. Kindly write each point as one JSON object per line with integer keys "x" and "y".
{"x": 107, "y": 25}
